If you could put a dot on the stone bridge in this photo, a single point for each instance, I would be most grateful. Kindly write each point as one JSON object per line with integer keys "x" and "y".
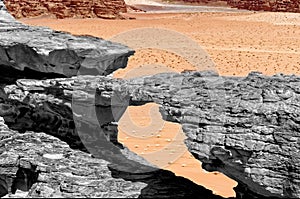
{"x": 244, "y": 127}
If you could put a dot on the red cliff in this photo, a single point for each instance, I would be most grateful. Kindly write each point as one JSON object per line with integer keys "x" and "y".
{"x": 110, "y": 9}
{"x": 267, "y": 5}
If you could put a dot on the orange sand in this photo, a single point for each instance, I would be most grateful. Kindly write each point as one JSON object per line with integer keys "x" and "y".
{"x": 238, "y": 43}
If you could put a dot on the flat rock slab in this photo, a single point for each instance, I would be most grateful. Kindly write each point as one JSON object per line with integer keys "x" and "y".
{"x": 44, "y": 50}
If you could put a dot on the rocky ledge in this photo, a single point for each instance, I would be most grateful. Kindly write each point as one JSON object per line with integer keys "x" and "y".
{"x": 107, "y": 9}
{"x": 267, "y": 5}
{"x": 38, "y": 165}
{"x": 35, "y": 163}
{"x": 30, "y": 51}
{"x": 244, "y": 127}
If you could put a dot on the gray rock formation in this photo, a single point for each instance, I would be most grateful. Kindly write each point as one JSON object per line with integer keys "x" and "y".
{"x": 246, "y": 128}
{"x": 34, "y": 51}
{"x": 35, "y": 164}
{"x": 38, "y": 165}
{"x": 55, "y": 170}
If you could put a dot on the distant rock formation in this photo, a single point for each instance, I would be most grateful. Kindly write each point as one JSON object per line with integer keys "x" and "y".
{"x": 257, "y": 5}
{"x": 267, "y": 5}
{"x": 202, "y": 1}
{"x": 108, "y": 9}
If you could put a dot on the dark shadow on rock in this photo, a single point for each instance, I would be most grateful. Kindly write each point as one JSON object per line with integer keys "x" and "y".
{"x": 10, "y": 75}
{"x": 3, "y": 186}
{"x": 164, "y": 184}
{"x": 22, "y": 180}
{"x": 243, "y": 192}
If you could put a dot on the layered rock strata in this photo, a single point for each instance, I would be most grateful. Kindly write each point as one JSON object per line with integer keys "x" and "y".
{"x": 31, "y": 51}
{"x": 108, "y": 9}
{"x": 35, "y": 164}
{"x": 245, "y": 128}
{"x": 267, "y": 5}
{"x": 38, "y": 165}
{"x": 257, "y": 5}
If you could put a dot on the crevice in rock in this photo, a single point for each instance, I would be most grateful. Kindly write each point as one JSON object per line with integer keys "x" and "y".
{"x": 4, "y": 189}
{"x": 272, "y": 169}
{"x": 162, "y": 183}
{"x": 24, "y": 180}
{"x": 57, "y": 120}
{"x": 10, "y": 75}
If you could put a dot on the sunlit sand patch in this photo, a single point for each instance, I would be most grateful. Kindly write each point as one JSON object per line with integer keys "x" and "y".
{"x": 143, "y": 130}
{"x": 276, "y": 18}
{"x": 165, "y": 147}
{"x": 153, "y": 61}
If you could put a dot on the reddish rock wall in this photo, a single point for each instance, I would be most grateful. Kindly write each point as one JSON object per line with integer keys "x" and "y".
{"x": 267, "y": 5}
{"x": 67, "y": 8}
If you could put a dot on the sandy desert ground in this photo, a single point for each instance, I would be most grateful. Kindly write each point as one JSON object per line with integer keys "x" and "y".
{"x": 236, "y": 42}
{"x": 145, "y": 2}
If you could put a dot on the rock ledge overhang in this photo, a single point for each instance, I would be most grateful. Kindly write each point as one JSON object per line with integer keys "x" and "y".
{"x": 37, "y": 51}
{"x": 244, "y": 127}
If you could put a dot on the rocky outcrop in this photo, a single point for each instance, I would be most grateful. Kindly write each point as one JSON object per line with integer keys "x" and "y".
{"x": 257, "y": 5}
{"x": 108, "y": 9}
{"x": 202, "y": 1}
{"x": 38, "y": 165}
{"x": 85, "y": 159}
{"x": 31, "y": 51}
{"x": 267, "y": 5}
{"x": 246, "y": 128}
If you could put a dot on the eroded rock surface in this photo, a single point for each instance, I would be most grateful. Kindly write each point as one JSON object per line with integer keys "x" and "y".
{"x": 38, "y": 165}
{"x": 246, "y": 128}
{"x": 85, "y": 159}
{"x": 267, "y": 5}
{"x": 108, "y": 9}
{"x": 257, "y": 5}
{"x": 39, "y": 52}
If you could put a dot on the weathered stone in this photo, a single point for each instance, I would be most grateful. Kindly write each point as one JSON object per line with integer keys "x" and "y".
{"x": 267, "y": 5}
{"x": 31, "y": 168}
{"x": 247, "y": 128}
{"x": 257, "y": 5}
{"x": 67, "y": 8}
{"x": 39, "y": 53}
{"x": 34, "y": 164}
{"x": 255, "y": 142}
